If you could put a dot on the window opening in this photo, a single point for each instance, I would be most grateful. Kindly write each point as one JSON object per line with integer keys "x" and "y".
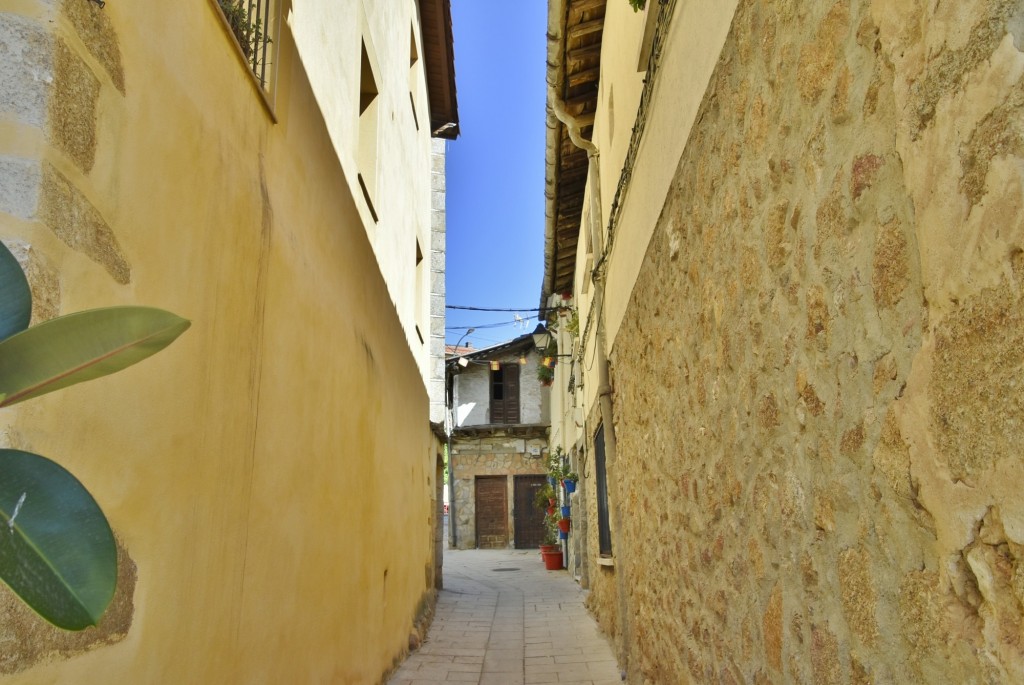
{"x": 368, "y": 115}
{"x": 604, "y": 533}
{"x": 414, "y": 58}
{"x": 505, "y": 394}
{"x": 252, "y": 23}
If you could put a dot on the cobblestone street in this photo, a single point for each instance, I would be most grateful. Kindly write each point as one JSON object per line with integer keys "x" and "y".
{"x": 504, "y": 620}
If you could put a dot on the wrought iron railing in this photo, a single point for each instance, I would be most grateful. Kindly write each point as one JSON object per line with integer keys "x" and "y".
{"x": 252, "y": 22}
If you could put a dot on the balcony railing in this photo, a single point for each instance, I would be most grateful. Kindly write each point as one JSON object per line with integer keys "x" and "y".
{"x": 252, "y": 22}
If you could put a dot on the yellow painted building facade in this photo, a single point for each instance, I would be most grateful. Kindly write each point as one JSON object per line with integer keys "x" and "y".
{"x": 272, "y": 476}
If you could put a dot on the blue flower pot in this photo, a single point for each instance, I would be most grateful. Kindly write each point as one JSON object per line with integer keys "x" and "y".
{"x": 570, "y": 486}
{"x": 563, "y": 536}
{"x": 565, "y": 512}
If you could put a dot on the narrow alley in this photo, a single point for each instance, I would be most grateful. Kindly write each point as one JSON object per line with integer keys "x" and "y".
{"x": 503, "y": 620}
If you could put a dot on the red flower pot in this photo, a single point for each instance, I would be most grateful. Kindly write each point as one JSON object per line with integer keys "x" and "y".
{"x": 551, "y": 510}
{"x": 553, "y": 561}
{"x": 563, "y": 525}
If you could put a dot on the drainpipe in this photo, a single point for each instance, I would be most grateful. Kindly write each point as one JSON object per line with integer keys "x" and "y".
{"x": 555, "y": 81}
{"x": 449, "y": 428}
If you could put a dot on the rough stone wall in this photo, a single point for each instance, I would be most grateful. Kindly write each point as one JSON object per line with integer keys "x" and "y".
{"x": 819, "y": 410}
{"x": 58, "y": 66}
{"x": 490, "y": 455}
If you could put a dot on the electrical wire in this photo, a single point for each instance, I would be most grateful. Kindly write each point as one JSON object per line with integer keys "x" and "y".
{"x": 501, "y": 309}
{"x": 489, "y": 325}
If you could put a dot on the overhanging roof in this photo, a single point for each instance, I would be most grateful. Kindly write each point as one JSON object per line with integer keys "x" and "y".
{"x": 566, "y": 164}
{"x": 439, "y": 62}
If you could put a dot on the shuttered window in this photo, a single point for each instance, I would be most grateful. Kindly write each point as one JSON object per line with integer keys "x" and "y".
{"x": 505, "y": 394}
{"x": 604, "y": 533}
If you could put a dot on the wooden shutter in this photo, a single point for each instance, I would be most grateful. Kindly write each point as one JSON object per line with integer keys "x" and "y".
{"x": 505, "y": 394}
{"x": 511, "y": 374}
{"x": 497, "y": 397}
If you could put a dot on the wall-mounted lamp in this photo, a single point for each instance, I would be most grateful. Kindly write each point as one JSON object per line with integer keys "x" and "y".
{"x": 495, "y": 366}
{"x": 542, "y": 338}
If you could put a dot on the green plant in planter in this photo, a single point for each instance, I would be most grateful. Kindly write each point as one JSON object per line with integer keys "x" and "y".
{"x": 556, "y": 467}
{"x": 545, "y": 374}
{"x": 542, "y": 500}
{"x": 57, "y": 552}
{"x": 551, "y": 529}
{"x": 571, "y": 475}
{"x": 249, "y": 34}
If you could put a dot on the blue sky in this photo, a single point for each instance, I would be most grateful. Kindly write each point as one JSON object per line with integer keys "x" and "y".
{"x": 495, "y": 168}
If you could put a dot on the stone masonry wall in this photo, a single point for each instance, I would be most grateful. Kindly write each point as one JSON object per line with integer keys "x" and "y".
{"x": 820, "y": 411}
{"x": 494, "y": 455}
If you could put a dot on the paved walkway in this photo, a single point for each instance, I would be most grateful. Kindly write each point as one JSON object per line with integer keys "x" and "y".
{"x": 503, "y": 620}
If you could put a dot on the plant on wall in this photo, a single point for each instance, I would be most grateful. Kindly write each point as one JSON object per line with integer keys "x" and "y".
{"x": 248, "y": 32}
{"x": 57, "y": 552}
{"x": 637, "y": 5}
{"x": 546, "y": 363}
{"x": 572, "y": 326}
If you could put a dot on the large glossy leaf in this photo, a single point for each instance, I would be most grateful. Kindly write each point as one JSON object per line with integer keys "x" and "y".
{"x": 56, "y": 548}
{"x": 15, "y": 296}
{"x": 82, "y": 346}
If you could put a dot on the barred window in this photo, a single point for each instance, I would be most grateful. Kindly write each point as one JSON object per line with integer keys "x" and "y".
{"x": 253, "y": 23}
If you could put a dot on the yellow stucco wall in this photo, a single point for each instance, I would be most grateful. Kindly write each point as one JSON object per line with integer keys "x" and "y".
{"x": 271, "y": 474}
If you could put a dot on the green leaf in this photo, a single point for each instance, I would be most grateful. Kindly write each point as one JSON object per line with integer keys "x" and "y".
{"x": 56, "y": 549}
{"x": 82, "y": 346}
{"x": 15, "y": 296}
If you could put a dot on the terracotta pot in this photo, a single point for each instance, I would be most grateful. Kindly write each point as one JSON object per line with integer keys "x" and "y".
{"x": 563, "y": 525}
{"x": 553, "y": 561}
{"x": 551, "y": 510}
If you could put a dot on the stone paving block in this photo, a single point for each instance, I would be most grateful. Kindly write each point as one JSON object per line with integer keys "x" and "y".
{"x": 523, "y": 627}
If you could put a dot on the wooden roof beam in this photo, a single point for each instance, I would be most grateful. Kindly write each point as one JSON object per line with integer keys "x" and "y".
{"x": 586, "y": 28}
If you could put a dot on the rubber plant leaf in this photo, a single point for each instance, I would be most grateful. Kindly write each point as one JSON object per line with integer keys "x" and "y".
{"x": 82, "y": 346}
{"x": 15, "y": 296}
{"x": 56, "y": 549}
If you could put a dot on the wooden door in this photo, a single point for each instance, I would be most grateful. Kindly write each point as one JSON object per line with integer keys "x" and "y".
{"x": 491, "y": 512}
{"x": 527, "y": 519}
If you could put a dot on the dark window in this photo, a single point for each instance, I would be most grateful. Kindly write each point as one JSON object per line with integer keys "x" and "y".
{"x": 604, "y": 532}
{"x": 505, "y": 394}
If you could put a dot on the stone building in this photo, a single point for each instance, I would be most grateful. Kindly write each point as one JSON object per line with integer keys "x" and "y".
{"x": 498, "y": 444}
{"x": 286, "y": 196}
{"x": 794, "y": 236}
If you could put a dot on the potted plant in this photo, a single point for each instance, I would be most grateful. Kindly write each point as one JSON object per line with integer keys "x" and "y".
{"x": 550, "y": 543}
{"x": 550, "y": 551}
{"x": 544, "y": 497}
{"x": 544, "y": 500}
{"x": 569, "y": 481}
